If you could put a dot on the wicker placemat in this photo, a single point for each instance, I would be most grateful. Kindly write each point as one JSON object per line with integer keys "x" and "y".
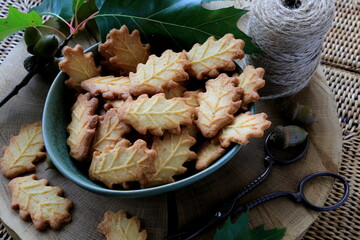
{"x": 341, "y": 51}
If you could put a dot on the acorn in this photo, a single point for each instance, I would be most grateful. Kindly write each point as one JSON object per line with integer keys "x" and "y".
{"x": 289, "y": 136}
{"x": 301, "y": 114}
{"x": 46, "y": 47}
{"x": 31, "y": 37}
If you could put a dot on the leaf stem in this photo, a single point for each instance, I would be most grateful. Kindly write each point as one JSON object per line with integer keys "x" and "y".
{"x": 63, "y": 44}
{"x": 56, "y": 30}
{"x": 22, "y": 84}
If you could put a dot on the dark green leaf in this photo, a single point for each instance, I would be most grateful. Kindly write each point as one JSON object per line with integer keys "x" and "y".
{"x": 76, "y": 4}
{"x": 17, "y": 21}
{"x": 62, "y": 8}
{"x": 239, "y": 231}
{"x": 176, "y": 24}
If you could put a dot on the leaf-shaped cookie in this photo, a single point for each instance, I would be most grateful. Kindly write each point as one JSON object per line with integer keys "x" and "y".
{"x": 41, "y": 202}
{"x": 121, "y": 163}
{"x": 217, "y": 105}
{"x": 159, "y": 73}
{"x": 109, "y": 131}
{"x": 172, "y": 151}
{"x": 207, "y": 154}
{"x": 214, "y": 56}
{"x": 82, "y": 126}
{"x": 23, "y": 150}
{"x": 116, "y": 226}
{"x": 123, "y": 50}
{"x": 191, "y": 98}
{"x": 156, "y": 114}
{"x": 109, "y": 86}
{"x": 78, "y": 66}
{"x": 113, "y": 103}
{"x": 250, "y": 80}
{"x": 245, "y": 125}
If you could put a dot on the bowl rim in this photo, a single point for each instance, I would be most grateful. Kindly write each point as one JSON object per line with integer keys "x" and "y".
{"x": 132, "y": 193}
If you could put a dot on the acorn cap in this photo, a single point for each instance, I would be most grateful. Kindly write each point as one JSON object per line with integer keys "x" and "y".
{"x": 302, "y": 114}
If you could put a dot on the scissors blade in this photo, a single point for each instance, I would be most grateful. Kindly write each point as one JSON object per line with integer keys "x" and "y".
{"x": 199, "y": 226}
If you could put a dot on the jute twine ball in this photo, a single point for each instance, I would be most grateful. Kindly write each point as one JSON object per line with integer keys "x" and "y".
{"x": 291, "y": 34}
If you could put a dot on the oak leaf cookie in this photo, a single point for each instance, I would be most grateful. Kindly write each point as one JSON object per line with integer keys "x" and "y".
{"x": 214, "y": 56}
{"x": 159, "y": 73}
{"x": 244, "y": 126}
{"x": 78, "y": 66}
{"x": 217, "y": 105}
{"x": 109, "y": 87}
{"x": 23, "y": 150}
{"x": 172, "y": 151}
{"x": 82, "y": 126}
{"x": 109, "y": 131}
{"x": 123, "y": 50}
{"x": 41, "y": 202}
{"x": 207, "y": 154}
{"x": 155, "y": 114}
{"x": 250, "y": 80}
{"x": 116, "y": 226}
{"x": 123, "y": 163}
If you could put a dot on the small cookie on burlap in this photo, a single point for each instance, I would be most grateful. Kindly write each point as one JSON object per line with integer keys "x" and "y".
{"x": 23, "y": 150}
{"x": 82, "y": 127}
{"x": 41, "y": 202}
{"x": 116, "y": 226}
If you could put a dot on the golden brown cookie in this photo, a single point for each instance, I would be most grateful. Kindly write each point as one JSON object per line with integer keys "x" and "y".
{"x": 250, "y": 80}
{"x": 116, "y": 226}
{"x": 243, "y": 127}
{"x": 217, "y": 105}
{"x": 207, "y": 154}
{"x": 82, "y": 127}
{"x": 123, "y": 50}
{"x": 208, "y": 59}
{"x": 159, "y": 73}
{"x": 155, "y": 114}
{"x": 172, "y": 151}
{"x": 174, "y": 92}
{"x": 23, "y": 150}
{"x": 78, "y": 66}
{"x": 109, "y": 131}
{"x": 123, "y": 163}
{"x": 41, "y": 202}
{"x": 109, "y": 87}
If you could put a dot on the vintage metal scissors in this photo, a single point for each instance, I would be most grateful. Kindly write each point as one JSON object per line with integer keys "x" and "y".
{"x": 229, "y": 209}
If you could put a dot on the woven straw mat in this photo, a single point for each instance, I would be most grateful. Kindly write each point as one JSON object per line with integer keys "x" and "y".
{"x": 341, "y": 64}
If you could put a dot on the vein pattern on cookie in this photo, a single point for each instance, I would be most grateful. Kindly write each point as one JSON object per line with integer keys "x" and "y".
{"x": 217, "y": 105}
{"x": 156, "y": 114}
{"x": 23, "y": 150}
{"x": 243, "y": 127}
{"x": 123, "y": 163}
{"x": 41, "y": 202}
{"x": 214, "y": 56}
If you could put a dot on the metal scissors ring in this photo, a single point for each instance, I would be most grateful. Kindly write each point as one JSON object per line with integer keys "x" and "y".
{"x": 228, "y": 208}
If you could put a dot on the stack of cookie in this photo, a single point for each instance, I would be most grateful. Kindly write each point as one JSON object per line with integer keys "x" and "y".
{"x": 139, "y": 117}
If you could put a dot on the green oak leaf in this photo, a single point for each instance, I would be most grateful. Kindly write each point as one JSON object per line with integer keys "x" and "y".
{"x": 239, "y": 231}
{"x": 61, "y": 8}
{"x": 17, "y": 21}
{"x": 176, "y": 24}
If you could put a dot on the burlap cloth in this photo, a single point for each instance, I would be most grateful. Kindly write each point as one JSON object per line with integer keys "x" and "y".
{"x": 341, "y": 64}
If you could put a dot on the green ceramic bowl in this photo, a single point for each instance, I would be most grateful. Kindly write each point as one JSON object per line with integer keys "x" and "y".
{"x": 56, "y": 117}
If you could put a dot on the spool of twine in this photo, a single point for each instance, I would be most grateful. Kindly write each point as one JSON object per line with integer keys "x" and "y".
{"x": 291, "y": 34}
